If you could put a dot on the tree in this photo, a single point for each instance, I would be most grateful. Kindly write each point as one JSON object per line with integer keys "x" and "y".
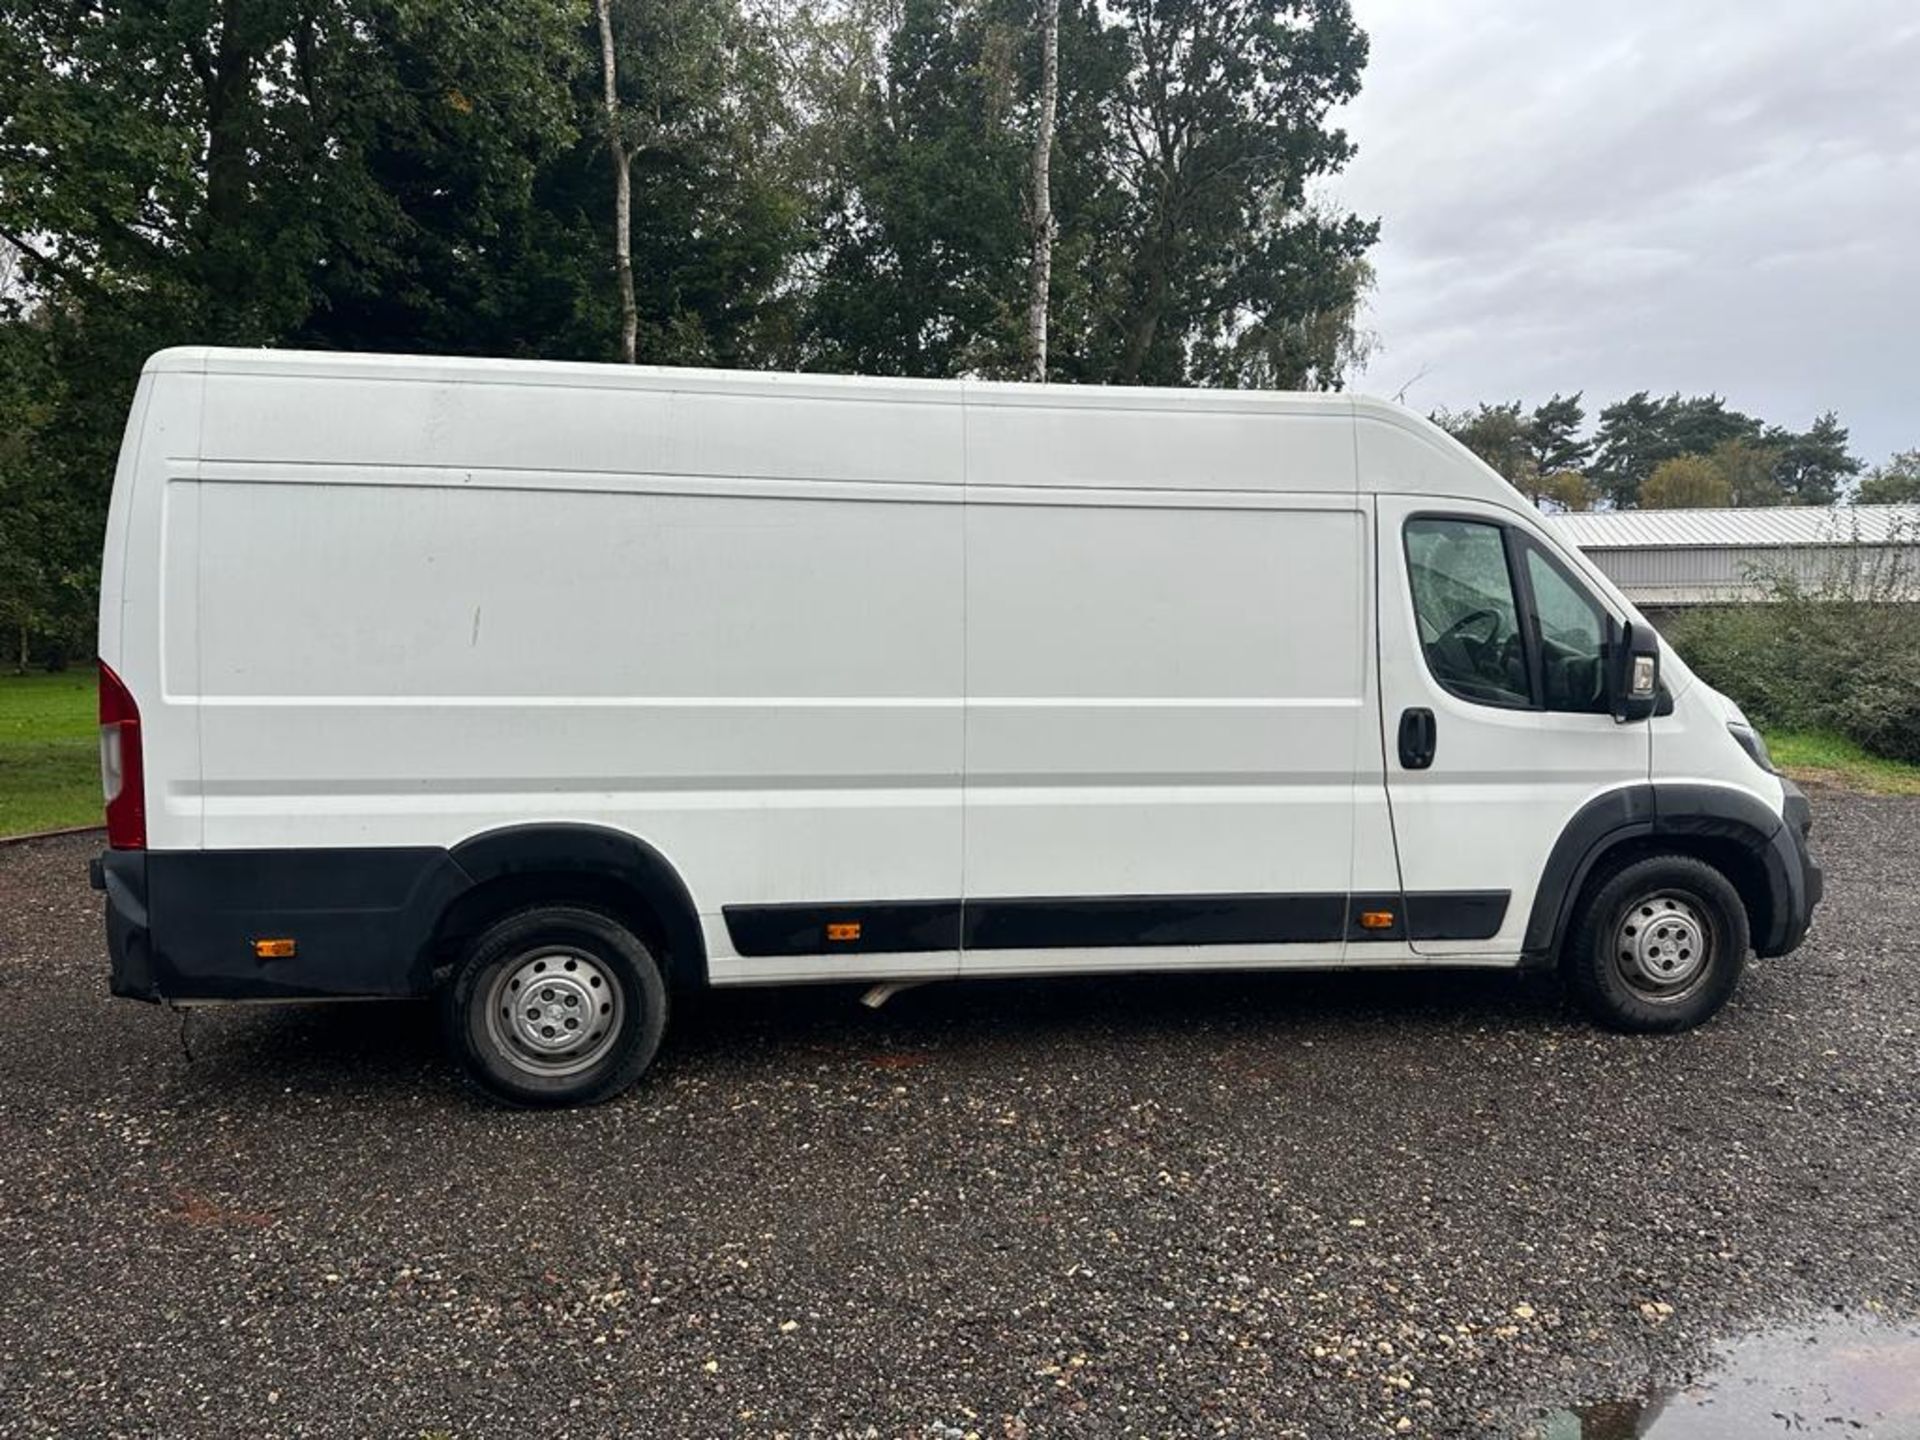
{"x": 1042, "y": 216}
{"x": 1748, "y": 467}
{"x": 621, "y": 155}
{"x": 1811, "y": 468}
{"x": 1697, "y": 424}
{"x": 1686, "y": 482}
{"x": 719, "y": 191}
{"x": 1522, "y": 447}
{"x": 225, "y": 168}
{"x": 1565, "y": 490}
{"x": 925, "y": 249}
{"x": 1553, "y": 435}
{"x": 1500, "y": 435}
{"x": 49, "y": 526}
{"x": 1629, "y": 443}
{"x": 1895, "y": 483}
{"x": 1637, "y": 434}
{"x": 1222, "y": 273}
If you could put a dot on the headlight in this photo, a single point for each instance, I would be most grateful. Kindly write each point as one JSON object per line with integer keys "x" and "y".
{"x": 1755, "y": 747}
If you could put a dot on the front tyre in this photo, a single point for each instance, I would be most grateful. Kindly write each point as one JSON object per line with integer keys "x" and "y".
{"x": 555, "y": 1005}
{"x": 1658, "y": 945}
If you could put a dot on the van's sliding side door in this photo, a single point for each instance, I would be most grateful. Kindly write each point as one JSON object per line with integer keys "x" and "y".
{"x": 1494, "y": 715}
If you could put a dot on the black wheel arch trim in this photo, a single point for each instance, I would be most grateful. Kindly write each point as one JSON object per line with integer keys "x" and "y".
{"x": 565, "y": 848}
{"x": 1677, "y": 809}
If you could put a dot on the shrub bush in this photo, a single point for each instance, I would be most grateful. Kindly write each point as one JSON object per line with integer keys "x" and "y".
{"x": 1834, "y": 644}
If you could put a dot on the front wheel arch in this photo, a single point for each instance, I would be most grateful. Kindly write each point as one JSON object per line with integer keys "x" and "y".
{"x": 1729, "y": 829}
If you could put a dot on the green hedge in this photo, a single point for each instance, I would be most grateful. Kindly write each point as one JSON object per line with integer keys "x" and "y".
{"x": 1835, "y": 647}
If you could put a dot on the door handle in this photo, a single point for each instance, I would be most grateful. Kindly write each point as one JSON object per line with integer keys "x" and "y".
{"x": 1418, "y": 738}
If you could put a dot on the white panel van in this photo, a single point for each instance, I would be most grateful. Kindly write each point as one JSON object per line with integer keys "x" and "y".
{"x": 552, "y": 689}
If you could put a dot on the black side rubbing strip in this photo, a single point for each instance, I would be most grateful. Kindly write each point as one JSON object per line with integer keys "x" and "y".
{"x": 1456, "y": 915}
{"x": 1085, "y": 923}
{"x": 1068, "y": 922}
{"x": 893, "y": 927}
{"x": 1429, "y": 915}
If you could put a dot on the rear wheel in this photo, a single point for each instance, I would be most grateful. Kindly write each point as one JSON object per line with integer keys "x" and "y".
{"x": 555, "y": 1005}
{"x": 1657, "y": 945}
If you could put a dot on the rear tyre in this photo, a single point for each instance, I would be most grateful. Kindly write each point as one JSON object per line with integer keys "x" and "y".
{"x": 555, "y": 1005}
{"x": 1657, "y": 945}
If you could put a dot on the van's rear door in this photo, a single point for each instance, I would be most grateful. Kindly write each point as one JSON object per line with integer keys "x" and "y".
{"x": 1494, "y": 715}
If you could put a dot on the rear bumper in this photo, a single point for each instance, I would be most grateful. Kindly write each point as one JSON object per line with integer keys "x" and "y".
{"x": 122, "y": 874}
{"x": 181, "y": 925}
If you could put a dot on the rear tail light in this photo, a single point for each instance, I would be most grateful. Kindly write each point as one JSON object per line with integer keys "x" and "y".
{"x": 121, "y": 776}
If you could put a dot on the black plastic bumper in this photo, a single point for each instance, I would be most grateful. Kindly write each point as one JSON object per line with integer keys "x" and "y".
{"x": 1796, "y": 879}
{"x": 122, "y": 874}
{"x": 181, "y": 925}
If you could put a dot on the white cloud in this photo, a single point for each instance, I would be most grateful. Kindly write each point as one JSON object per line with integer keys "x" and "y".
{"x": 1711, "y": 195}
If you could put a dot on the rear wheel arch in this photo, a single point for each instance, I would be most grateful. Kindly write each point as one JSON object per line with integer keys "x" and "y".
{"x": 569, "y": 864}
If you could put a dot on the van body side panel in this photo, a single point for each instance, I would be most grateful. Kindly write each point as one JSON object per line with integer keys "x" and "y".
{"x": 1104, "y": 438}
{"x": 113, "y": 557}
{"x": 1166, "y": 720}
{"x": 759, "y": 676}
{"x": 390, "y": 415}
{"x": 155, "y": 648}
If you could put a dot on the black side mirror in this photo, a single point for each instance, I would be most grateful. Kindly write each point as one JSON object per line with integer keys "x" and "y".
{"x": 1633, "y": 673}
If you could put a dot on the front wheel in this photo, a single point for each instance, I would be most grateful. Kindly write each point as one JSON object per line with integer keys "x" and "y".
{"x": 1658, "y": 945}
{"x": 555, "y": 1005}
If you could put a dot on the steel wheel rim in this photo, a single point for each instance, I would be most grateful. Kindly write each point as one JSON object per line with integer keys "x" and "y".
{"x": 1663, "y": 946}
{"x": 555, "y": 1012}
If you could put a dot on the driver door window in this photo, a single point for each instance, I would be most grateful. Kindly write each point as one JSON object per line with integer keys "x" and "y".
{"x": 1469, "y": 619}
{"x": 1573, "y": 635}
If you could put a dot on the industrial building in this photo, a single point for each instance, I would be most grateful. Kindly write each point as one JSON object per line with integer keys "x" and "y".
{"x": 1668, "y": 559}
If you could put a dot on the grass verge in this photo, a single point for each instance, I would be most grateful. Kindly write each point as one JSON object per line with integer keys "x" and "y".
{"x": 49, "y": 752}
{"x": 1833, "y": 760}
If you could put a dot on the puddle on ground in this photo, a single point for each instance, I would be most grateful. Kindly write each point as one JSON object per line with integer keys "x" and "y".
{"x": 1835, "y": 1375}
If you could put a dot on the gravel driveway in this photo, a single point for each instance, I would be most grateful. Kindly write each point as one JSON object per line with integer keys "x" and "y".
{"x": 1267, "y": 1206}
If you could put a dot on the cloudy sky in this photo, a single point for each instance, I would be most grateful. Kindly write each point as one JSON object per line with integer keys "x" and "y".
{"x": 1667, "y": 195}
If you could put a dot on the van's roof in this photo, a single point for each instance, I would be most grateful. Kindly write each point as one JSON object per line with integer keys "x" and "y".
{"x": 327, "y": 364}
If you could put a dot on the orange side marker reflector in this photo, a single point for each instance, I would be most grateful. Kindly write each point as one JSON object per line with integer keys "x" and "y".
{"x": 1376, "y": 919}
{"x": 843, "y": 930}
{"x": 274, "y": 949}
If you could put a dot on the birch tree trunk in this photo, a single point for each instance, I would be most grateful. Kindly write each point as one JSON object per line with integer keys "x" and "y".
{"x": 622, "y": 187}
{"x": 1041, "y": 271}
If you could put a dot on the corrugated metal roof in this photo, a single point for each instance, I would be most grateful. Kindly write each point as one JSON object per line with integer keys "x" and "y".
{"x": 1776, "y": 525}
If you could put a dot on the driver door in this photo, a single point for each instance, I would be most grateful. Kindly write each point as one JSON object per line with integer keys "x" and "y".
{"x": 1493, "y": 715}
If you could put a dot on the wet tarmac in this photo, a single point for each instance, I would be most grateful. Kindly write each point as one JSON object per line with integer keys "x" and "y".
{"x": 1835, "y": 1375}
